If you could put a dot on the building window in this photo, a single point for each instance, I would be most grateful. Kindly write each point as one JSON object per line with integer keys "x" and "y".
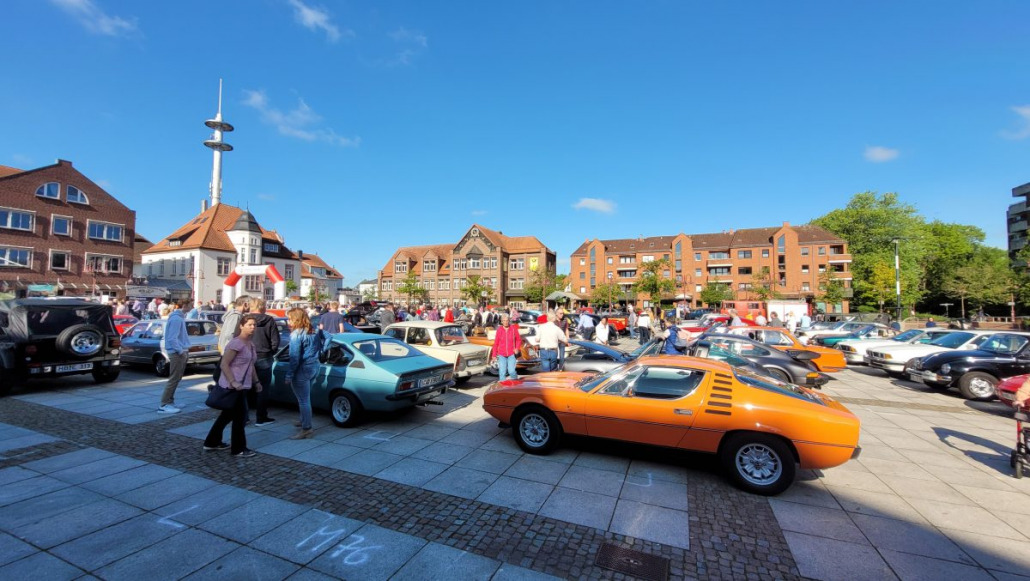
{"x": 224, "y": 266}
{"x": 804, "y": 269}
{"x": 252, "y": 283}
{"x": 805, "y": 286}
{"x": 516, "y": 283}
{"x": 61, "y": 225}
{"x": 593, "y": 282}
{"x": 59, "y": 260}
{"x": 697, "y": 272}
{"x": 582, "y": 261}
{"x": 822, "y": 251}
{"x": 627, "y": 260}
{"x": 520, "y": 263}
{"x": 431, "y": 284}
{"x": 493, "y": 263}
{"x": 822, "y": 268}
{"x": 288, "y": 274}
{"x": 474, "y": 263}
{"x": 743, "y": 254}
{"x": 17, "y": 219}
{"x": 743, "y": 286}
{"x": 400, "y": 266}
{"x": 429, "y": 266}
{"x": 719, "y": 271}
{"x": 271, "y": 247}
{"x": 593, "y": 255}
{"x": 105, "y": 231}
{"x": 647, "y": 258}
{"x": 678, "y": 249}
{"x": 493, "y": 282}
{"x": 103, "y": 263}
{"x": 582, "y": 289}
{"x": 461, "y": 264}
{"x": 744, "y": 270}
{"x": 50, "y": 190}
{"x": 75, "y": 195}
{"x": 697, "y": 256}
{"x": 781, "y": 244}
{"x": 445, "y": 284}
{"x": 804, "y": 251}
{"x": 611, "y": 260}
{"x": 765, "y": 253}
{"x": 19, "y": 257}
{"x": 718, "y": 255}
{"x": 253, "y": 256}
{"x": 679, "y": 265}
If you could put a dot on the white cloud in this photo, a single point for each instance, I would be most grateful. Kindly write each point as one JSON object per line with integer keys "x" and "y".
{"x": 96, "y": 20}
{"x": 1024, "y": 121}
{"x": 410, "y": 43}
{"x": 301, "y": 122}
{"x": 880, "y": 154}
{"x": 314, "y": 18}
{"x": 478, "y": 212}
{"x": 595, "y": 204}
{"x": 266, "y": 197}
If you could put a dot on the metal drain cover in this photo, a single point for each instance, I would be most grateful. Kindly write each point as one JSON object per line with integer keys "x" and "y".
{"x": 631, "y": 562}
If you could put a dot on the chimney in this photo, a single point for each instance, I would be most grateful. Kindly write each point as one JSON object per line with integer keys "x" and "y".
{"x": 203, "y": 205}
{"x": 786, "y": 224}
{"x": 300, "y": 254}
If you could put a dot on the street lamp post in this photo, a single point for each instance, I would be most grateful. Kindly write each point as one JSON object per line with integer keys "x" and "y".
{"x": 897, "y": 276}
{"x": 946, "y": 305}
{"x": 610, "y": 275}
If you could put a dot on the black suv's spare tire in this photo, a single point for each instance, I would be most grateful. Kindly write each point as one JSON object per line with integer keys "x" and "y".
{"x": 81, "y": 341}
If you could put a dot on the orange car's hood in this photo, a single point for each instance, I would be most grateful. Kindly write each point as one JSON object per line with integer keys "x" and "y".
{"x": 552, "y": 380}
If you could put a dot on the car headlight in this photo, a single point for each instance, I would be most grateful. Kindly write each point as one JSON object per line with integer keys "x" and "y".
{"x": 887, "y": 356}
{"x": 946, "y": 369}
{"x": 847, "y": 348}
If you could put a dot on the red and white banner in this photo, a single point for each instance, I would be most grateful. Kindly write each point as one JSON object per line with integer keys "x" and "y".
{"x": 233, "y": 280}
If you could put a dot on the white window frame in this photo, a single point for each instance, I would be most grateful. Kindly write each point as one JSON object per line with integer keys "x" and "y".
{"x": 91, "y": 255}
{"x": 400, "y": 266}
{"x": 89, "y": 234}
{"x": 68, "y": 260}
{"x": 10, "y": 214}
{"x": 57, "y": 192}
{"x": 270, "y": 247}
{"x": 647, "y": 258}
{"x": 3, "y": 259}
{"x": 67, "y": 195}
{"x": 218, "y": 266}
{"x": 53, "y": 221}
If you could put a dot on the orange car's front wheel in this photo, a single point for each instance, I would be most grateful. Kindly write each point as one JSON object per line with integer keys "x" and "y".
{"x": 536, "y": 430}
{"x": 758, "y": 463}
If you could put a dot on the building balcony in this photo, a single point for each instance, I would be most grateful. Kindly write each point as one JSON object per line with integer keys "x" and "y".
{"x": 1020, "y": 226}
{"x": 720, "y": 263}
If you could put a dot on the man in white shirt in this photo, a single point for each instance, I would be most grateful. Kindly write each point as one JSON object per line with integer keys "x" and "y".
{"x": 550, "y": 336}
{"x": 760, "y": 320}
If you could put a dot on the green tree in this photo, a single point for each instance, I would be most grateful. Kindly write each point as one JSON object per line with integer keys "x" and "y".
{"x": 880, "y": 284}
{"x": 987, "y": 280}
{"x": 715, "y": 293}
{"x": 291, "y": 286}
{"x": 411, "y": 287}
{"x": 474, "y": 290}
{"x": 541, "y": 284}
{"x": 763, "y": 286}
{"x": 652, "y": 282}
{"x": 606, "y": 294}
{"x": 831, "y": 289}
{"x": 369, "y": 294}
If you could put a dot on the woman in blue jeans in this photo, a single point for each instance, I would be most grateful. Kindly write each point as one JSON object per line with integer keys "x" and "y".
{"x": 305, "y": 345}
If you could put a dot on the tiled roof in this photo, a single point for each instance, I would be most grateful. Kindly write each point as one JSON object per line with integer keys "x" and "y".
{"x": 9, "y": 171}
{"x": 315, "y": 261}
{"x": 511, "y": 243}
{"x": 207, "y": 231}
{"x": 415, "y": 254}
{"x": 744, "y": 238}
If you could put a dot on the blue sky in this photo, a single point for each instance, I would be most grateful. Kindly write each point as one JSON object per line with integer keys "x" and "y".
{"x": 364, "y": 126}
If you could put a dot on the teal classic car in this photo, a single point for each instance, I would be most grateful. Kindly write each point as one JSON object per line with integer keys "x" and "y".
{"x": 364, "y": 372}
{"x": 871, "y": 331}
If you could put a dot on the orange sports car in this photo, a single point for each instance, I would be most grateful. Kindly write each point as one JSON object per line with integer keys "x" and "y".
{"x": 829, "y": 361}
{"x": 759, "y": 427}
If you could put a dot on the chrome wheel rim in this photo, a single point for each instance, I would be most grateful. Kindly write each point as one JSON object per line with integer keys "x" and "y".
{"x": 341, "y": 409}
{"x": 534, "y": 430}
{"x": 161, "y": 366}
{"x": 86, "y": 343}
{"x": 981, "y": 387}
{"x": 759, "y": 464}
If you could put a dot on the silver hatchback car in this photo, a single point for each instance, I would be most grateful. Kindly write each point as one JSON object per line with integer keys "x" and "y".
{"x": 144, "y": 343}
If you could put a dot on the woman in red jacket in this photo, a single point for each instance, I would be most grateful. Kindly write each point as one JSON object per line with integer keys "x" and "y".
{"x": 507, "y": 343}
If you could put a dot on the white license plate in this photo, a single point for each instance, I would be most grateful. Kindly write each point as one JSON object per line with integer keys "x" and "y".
{"x": 474, "y": 362}
{"x": 75, "y": 367}
{"x": 429, "y": 380}
{"x": 915, "y": 375}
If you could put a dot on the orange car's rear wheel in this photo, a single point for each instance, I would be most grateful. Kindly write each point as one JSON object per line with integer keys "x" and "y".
{"x": 759, "y": 463}
{"x": 536, "y": 430}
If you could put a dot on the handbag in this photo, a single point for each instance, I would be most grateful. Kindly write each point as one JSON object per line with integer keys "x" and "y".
{"x": 221, "y": 398}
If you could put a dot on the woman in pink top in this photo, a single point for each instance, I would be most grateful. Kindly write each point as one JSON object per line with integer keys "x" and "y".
{"x": 237, "y": 373}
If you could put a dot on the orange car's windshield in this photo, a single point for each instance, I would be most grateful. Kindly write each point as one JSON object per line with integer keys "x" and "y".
{"x": 768, "y": 383}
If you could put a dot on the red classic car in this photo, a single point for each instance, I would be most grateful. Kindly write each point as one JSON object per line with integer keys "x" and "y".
{"x": 1007, "y": 388}
{"x": 123, "y": 322}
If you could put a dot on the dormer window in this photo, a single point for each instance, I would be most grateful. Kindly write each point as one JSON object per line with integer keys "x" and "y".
{"x": 271, "y": 247}
{"x": 76, "y": 196}
{"x": 174, "y": 243}
{"x": 50, "y": 190}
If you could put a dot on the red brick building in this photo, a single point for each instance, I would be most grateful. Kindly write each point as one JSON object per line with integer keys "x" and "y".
{"x": 796, "y": 256}
{"x": 61, "y": 233}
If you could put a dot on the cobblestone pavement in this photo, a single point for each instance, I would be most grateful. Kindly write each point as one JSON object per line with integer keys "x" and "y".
{"x": 93, "y": 481}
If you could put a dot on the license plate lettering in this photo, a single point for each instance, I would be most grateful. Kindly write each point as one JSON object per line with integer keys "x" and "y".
{"x": 426, "y": 381}
{"x": 74, "y": 367}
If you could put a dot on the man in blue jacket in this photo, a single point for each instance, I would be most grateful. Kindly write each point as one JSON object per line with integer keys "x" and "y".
{"x": 177, "y": 347}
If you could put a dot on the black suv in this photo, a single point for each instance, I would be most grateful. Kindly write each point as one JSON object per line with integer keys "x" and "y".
{"x": 54, "y": 337}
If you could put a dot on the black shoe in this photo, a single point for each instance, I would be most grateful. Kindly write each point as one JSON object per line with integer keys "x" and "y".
{"x": 245, "y": 454}
{"x": 264, "y": 422}
{"x": 222, "y": 446}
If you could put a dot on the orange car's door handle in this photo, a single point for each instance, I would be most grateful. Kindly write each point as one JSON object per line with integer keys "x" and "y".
{"x": 683, "y": 412}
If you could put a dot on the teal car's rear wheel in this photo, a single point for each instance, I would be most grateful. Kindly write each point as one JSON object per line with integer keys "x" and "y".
{"x": 344, "y": 408}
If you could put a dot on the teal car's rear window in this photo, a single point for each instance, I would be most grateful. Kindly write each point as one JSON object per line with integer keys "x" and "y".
{"x": 384, "y": 349}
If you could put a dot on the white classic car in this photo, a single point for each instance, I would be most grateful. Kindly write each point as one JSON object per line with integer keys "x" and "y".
{"x": 855, "y": 351}
{"x": 446, "y": 342}
{"x": 894, "y": 359}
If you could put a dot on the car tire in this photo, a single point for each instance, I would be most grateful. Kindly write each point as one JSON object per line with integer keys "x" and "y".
{"x": 106, "y": 374}
{"x": 758, "y": 463}
{"x": 779, "y": 374}
{"x": 1018, "y": 469}
{"x": 81, "y": 341}
{"x": 162, "y": 367}
{"x": 977, "y": 385}
{"x": 344, "y": 409}
{"x": 536, "y": 430}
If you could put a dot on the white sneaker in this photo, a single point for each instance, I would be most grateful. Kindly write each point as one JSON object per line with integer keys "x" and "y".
{"x": 168, "y": 409}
